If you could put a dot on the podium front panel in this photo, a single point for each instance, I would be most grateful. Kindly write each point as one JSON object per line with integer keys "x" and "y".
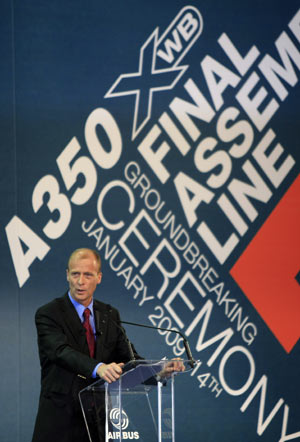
{"x": 139, "y": 406}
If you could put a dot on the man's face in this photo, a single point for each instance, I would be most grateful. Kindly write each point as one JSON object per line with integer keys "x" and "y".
{"x": 83, "y": 276}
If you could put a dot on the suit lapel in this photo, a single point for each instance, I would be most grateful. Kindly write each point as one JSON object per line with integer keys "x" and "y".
{"x": 72, "y": 321}
{"x": 101, "y": 322}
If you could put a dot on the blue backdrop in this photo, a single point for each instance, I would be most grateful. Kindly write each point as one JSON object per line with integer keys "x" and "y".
{"x": 165, "y": 135}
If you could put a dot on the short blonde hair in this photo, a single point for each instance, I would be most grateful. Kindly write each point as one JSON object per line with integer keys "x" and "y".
{"x": 85, "y": 252}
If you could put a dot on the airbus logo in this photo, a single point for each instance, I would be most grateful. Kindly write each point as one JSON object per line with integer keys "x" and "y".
{"x": 114, "y": 417}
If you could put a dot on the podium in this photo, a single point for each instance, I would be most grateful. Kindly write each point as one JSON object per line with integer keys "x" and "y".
{"x": 139, "y": 406}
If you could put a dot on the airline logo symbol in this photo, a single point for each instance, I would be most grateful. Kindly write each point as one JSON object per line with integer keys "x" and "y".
{"x": 159, "y": 68}
{"x": 114, "y": 417}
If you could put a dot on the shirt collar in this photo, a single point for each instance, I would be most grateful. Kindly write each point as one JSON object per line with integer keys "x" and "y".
{"x": 80, "y": 308}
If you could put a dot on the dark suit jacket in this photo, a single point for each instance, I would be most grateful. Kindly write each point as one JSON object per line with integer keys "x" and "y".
{"x": 66, "y": 366}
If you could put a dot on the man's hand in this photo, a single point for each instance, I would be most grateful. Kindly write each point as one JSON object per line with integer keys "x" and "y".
{"x": 110, "y": 372}
{"x": 175, "y": 365}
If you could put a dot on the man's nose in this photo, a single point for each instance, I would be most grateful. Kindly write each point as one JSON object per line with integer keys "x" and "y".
{"x": 81, "y": 279}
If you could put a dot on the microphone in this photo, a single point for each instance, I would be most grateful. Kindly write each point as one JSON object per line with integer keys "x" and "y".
{"x": 185, "y": 341}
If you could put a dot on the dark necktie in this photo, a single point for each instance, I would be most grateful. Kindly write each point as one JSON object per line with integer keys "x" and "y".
{"x": 89, "y": 332}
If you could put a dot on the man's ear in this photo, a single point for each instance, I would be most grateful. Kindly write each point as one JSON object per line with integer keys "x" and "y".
{"x": 67, "y": 274}
{"x": 99, "y": 277}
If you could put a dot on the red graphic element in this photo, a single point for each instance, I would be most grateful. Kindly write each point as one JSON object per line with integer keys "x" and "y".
{"x": 267, "y": 270}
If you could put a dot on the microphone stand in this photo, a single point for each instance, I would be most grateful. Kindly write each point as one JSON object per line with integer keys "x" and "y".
{"x": 185, "y": 341}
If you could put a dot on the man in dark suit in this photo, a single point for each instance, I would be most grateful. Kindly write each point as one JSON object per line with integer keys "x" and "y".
{"x": 75, "y": 348}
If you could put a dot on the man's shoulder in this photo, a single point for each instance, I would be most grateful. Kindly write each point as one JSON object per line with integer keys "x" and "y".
{"x": 107, "y": 308}
{"x": 54, "y": 304}
{"x": 102, "y": 305}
